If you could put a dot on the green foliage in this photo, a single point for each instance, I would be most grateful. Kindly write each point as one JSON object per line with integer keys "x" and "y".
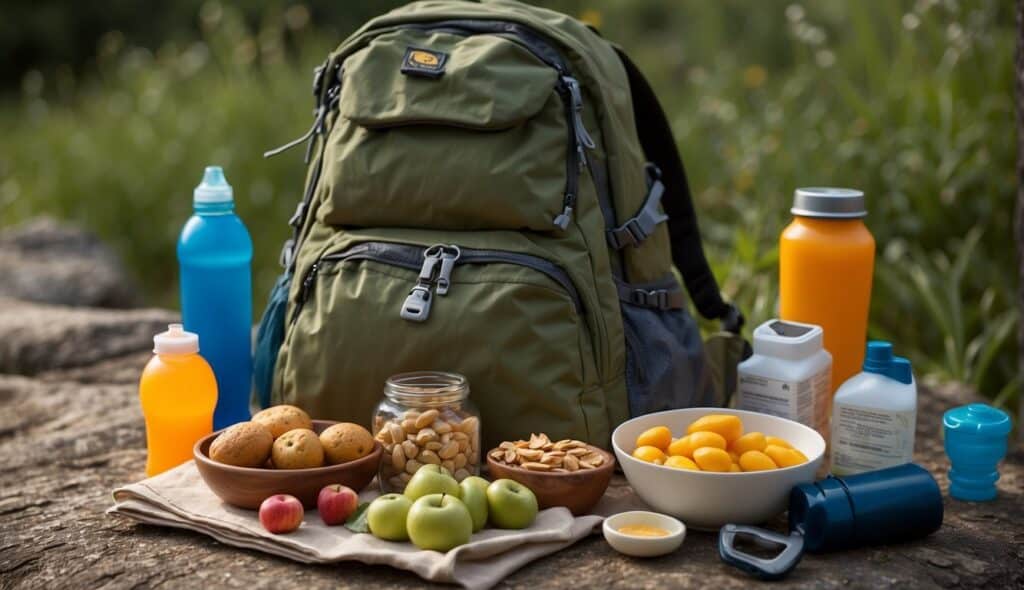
{"x": 910, "y": 101}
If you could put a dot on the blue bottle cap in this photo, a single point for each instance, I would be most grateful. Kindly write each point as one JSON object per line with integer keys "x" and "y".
{"x": 879, "y": 359}
{"x": 214, "y": 188}
{"x": 978, "y": 419}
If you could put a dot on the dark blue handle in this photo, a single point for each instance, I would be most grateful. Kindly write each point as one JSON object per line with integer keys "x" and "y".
{"x": 775, "y": 568}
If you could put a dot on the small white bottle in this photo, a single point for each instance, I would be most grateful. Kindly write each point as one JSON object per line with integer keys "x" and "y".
{"x": 789, "y": 375}
{"x": 874, "y": 414}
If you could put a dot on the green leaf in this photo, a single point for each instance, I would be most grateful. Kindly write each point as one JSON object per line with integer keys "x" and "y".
{"x": 357, "y": 522}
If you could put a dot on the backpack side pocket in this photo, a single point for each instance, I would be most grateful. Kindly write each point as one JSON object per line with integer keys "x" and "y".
{"x": 665, "y": 364}
{"x": 269, "y": 337}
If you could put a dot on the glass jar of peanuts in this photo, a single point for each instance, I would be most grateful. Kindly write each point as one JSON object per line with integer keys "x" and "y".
{"x": 426, "y": 418}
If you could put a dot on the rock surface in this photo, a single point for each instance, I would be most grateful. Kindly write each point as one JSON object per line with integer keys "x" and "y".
{"x": 69, "y": 436}
{"x": 49, "y": 262}
{"x": 71, "y": 431}
{"x": 36, "y": 337}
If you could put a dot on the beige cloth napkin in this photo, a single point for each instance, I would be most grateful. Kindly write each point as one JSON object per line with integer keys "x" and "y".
{"x": 179, "y": 498}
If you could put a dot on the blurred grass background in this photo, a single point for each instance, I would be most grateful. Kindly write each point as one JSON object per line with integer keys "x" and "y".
{"x": 109, "y": 115}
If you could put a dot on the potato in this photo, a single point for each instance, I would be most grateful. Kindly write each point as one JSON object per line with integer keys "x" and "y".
{"x": 298, "y": 449}
{"x": 246, "y": 444}
{"x": 344, "y": 442}
{"x": 281, "y": 419}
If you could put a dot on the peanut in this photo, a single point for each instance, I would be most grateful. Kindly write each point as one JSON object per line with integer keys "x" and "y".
{"x": 426, "y": 418}
{"x": 397, "y": 434}
{"x": 426, "y": 435}
{"x": 428, "y": 456}
{"x": 398, "y": 458}
{"x": 448, "y": 451}
{"x": 410, "y": 448}
{"x": 540, "y": 454}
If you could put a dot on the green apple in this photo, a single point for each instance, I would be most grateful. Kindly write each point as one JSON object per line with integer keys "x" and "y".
{"x": 439, "y": 522}
{"x": 511, "y": 504}
{"x": 474, "y": 496}
{"x": 386, "y": 517}
{"x": 431, "y": 479}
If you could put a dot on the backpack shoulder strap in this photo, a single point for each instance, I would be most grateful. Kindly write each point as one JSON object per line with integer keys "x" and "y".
{"x": 687, "y": 251}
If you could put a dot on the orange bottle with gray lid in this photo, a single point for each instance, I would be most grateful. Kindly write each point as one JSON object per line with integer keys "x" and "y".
{"x": 826, "y": 262}
{"x": 178, "y": 393}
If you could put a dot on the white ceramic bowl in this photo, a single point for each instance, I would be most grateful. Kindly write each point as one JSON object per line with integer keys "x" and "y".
{"x": 643, "y": 546}
{"x": 707, "y": 500}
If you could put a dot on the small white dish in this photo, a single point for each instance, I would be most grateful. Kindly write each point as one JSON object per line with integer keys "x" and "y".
{"x": 638, "y": 546}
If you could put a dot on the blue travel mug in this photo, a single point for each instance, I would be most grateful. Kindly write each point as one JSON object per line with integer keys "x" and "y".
{"x": 975, "y": 443}
{"x": 878, "y": 507}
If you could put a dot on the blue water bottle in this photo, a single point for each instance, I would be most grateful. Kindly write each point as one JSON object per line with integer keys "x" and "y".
{"x": 215, "y": 270}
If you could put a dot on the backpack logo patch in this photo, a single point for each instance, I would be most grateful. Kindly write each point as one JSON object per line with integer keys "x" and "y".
{"x": 424, "y": 62}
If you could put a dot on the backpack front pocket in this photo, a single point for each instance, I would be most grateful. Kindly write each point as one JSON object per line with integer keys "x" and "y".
{"x": 497, "y": 317}
{"x": 486, "y": 142}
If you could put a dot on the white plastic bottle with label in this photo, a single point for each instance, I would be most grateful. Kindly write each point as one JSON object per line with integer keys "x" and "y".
{"x": 874, "y": 414}
{"x": 789, "y": 374}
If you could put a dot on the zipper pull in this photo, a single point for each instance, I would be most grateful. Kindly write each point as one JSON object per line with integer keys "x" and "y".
{"x": 307, "y": 283}
{"x": 449, "y": 257}
{"x": 333, "y": 97}
{"x": 583, "y": 138}
{"x": 320, "y": 112}
{"x": 307, "y": 288}
{"x": 416, "y": 307}
{"x": 563, "y": 218}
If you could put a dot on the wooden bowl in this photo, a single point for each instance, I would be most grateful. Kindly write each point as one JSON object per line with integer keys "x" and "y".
{"x": 247, "y": 487}
{"x": 578, "y": 491}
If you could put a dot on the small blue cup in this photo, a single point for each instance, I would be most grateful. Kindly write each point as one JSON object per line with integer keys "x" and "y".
{"x": 976, "y": 441}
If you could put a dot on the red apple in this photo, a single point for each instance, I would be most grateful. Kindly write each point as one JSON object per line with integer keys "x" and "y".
{"x": 281, "y": 514}
{"x": 336, "y": 503}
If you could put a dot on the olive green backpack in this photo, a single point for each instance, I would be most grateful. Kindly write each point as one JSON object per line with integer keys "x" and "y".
{"x": 493, "y": 190}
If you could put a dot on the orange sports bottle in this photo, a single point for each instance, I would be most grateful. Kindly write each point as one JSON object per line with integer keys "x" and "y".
{"x": 178, "y": 394}
{"x": 826, "y": 259}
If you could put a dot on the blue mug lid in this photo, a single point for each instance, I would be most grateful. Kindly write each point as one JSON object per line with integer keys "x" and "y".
{"x": 822, "y": 513}
{"x": 978, "y": 419}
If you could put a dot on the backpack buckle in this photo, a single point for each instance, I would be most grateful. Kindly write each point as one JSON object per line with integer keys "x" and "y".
{"x": 417, "y": 305}
{"x": 658, "y": 298}
{"x": 640, "y": 227}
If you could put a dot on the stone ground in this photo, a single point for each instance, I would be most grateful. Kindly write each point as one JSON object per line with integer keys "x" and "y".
{"x": 71, "y": 431}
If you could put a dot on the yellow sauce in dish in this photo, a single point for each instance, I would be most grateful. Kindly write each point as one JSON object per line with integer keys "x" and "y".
{"x": 642, "y": 530}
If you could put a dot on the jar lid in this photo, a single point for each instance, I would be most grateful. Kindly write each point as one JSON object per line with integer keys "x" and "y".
{"x": 828, "y": 203}
{"x": 979, "y": 419}
{"x": 434, "y": 386}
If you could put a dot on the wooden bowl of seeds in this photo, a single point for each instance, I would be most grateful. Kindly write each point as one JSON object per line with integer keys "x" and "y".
{"x": 567, "y": 472}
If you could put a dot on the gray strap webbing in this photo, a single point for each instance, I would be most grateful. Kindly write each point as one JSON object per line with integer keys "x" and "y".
{"x": 642, "y": 225}
{"x": 661, "y": 299}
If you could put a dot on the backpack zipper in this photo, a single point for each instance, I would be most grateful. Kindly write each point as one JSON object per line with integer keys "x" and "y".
{"x": 568, "y": 88}
{"x": 435, "y": 265}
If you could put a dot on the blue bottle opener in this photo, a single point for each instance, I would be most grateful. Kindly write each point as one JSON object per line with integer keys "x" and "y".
{"x": 886, "y": 506}
{"x": 775, "y": 568}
